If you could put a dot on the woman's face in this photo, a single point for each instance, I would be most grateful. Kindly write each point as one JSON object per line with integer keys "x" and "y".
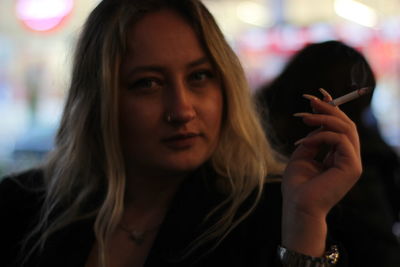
{"x": 170, "y": 99}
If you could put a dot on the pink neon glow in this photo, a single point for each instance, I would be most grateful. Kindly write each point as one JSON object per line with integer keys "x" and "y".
{"x": 43, "y": 15}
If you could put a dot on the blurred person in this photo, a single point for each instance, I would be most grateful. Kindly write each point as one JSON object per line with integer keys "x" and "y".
{"x": 161, "y": 160}
{"x": 371, "y": 208}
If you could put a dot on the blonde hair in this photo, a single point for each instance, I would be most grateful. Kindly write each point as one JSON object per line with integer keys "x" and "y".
{"x": 87, "y": 166}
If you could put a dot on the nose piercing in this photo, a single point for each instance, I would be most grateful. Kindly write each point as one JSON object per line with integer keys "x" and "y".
{"x": 169, "y": 117}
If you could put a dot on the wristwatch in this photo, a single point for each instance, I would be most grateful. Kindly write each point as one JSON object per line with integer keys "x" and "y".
{"x": 290, "y": 258}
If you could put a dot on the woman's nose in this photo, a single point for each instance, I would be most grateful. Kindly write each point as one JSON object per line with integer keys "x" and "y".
{"x": 180, "y": 104}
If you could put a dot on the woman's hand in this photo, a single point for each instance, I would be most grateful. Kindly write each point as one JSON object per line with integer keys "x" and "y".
{"x": 311, "y": 188}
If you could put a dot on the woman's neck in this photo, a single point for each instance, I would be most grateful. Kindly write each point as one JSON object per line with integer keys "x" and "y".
{"x": 147, "y": 199}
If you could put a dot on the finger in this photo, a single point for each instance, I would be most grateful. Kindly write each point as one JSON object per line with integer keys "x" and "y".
{"x": 331, "y": 123}
{"x": 311, "y": 97}
{"x": 327, "y": 96}
{"x": 309, "y": 134}
{"x": 343, "y": 162}
{"x": 341, "y": 146}
{"x": 320, "y": 106}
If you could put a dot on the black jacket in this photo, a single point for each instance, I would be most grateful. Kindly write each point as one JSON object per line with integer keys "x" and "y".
{"x": 251, "y": 244}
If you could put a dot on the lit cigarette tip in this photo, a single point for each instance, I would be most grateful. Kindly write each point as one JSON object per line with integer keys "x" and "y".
{"x": 364, "y": 90}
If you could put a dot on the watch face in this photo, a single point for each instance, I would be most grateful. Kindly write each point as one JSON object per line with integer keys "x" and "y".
{"x": 43, "y": 15}
{"x": 332, "y": 255}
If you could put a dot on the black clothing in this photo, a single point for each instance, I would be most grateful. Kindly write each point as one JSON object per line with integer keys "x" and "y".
{"x": 371, "y": 207}
{"x": 252, "y": 243}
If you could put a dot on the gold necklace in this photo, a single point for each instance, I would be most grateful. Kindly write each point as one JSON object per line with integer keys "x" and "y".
{"x": 137, "y": 237}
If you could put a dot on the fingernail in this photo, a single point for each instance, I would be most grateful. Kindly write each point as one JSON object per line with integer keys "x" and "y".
{"x": 310, "y": 97}
{"x": 298, "y": 142}
{"x": 302, "y": 114}
{"x": 327, "y": 96}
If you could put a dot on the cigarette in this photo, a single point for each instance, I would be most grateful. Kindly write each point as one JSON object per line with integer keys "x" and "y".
{"x": 350, "y": 96}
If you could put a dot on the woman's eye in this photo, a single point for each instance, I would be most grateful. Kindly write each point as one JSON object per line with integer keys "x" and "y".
{"x": 201, "y": 76}
{"x": 145, "y": 84}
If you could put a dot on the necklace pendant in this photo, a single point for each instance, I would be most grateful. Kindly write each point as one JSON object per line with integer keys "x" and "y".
{"x": 137, "y": 237}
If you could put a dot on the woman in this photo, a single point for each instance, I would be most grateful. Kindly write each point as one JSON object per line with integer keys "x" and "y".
{"x": 161, "y": 155}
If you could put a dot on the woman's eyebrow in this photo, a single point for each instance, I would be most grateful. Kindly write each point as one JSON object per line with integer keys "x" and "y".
{"x": 200, "y": 61}
{"x": 159, "y": 68}
{"x": 145, "y": 68}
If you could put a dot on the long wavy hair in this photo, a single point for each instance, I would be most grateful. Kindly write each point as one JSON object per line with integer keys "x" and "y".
{"x": 87, "y": 165}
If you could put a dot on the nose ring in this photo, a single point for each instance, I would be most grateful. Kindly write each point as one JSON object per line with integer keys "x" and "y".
{"x": 169, "y": 117}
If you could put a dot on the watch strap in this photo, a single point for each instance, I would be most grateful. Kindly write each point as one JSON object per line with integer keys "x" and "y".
{"x": 291, "y": 258}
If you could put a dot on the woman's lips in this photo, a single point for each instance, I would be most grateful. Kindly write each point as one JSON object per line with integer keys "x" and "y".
{"x": 181, "y": 141}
